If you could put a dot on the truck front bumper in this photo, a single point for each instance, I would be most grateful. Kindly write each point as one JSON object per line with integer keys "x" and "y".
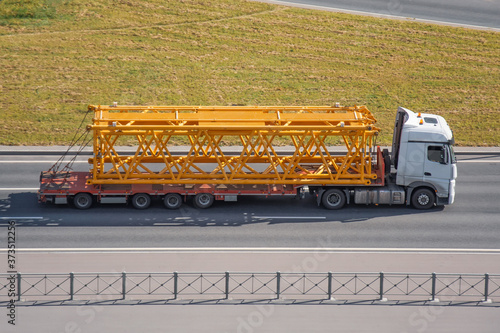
{"x": 451, "y": 192}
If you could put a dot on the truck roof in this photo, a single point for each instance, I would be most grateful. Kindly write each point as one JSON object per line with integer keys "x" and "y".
{"x": 425, "y": 127}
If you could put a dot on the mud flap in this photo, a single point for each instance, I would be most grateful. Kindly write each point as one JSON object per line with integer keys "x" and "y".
{"x": 319, "y": 195}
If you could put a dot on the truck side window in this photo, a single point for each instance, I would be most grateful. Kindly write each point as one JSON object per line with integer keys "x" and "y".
{"x": 436, "y": 154}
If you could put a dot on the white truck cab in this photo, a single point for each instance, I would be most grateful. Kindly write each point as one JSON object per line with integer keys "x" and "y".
{"x": 423, "y": 157}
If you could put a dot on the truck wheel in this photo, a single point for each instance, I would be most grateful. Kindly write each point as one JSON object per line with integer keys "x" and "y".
{"x": 172, "y": 201}
{"x": 141, "y": 201}
{"x": 333, "y": 199}
{"x": 423, "y": 199}
{"x": 82, "y": 201}
{"x": 203, "y": 200}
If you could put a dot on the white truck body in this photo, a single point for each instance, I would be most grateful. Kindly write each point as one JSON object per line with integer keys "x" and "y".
{"x": 422, "y": 154}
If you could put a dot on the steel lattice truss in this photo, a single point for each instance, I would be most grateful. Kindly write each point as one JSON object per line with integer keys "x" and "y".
{"x": 258, "y": 131}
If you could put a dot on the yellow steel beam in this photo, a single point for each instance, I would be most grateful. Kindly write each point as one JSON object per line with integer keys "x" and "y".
{"x": 232, "y": 116}
{"x": 257, "y": 128}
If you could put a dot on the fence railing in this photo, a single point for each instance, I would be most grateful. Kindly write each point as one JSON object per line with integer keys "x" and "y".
{"x": 238, "y": 285}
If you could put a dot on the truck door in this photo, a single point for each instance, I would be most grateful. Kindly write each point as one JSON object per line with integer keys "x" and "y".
{"x": 437, "y": 167}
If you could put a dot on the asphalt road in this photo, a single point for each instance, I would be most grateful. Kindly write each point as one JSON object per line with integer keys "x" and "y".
{"x": 479, "y": 13}
{"x": 263, "y": 318}
{"x": 472, "y": 222}
{"x": 255, "y": 260}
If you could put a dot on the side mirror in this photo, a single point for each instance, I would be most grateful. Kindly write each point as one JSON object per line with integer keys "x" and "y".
{"x": 446, "y": 155}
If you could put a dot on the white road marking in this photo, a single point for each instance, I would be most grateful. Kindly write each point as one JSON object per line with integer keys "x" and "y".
{"x": 86, "y": 162}
{"x": 290, "y": 217}
{"x": 21, "y": 218}
{"x": 19, "y": 188}
{"x": 256, "y": 250}
{"x": 483, "y": 161}
{"x": 35, "y": 162}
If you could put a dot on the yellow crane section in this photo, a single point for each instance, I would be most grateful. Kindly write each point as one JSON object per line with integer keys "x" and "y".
{"x": 257, "y": 130}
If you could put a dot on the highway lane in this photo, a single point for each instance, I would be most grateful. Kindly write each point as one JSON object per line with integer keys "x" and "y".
{"x": 473, "y": 13}
{"x": 472, "y": 222}
{"x": 308, "y": 260}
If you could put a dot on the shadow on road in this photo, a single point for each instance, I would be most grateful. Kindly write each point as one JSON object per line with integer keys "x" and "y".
{"x": 248, "y": 210}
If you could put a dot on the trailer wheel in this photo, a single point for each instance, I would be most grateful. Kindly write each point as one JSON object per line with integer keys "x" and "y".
{"x": 172, "y": 200}
{"x": 423, "y": 198}
{"x": 333, "y": 199}
{"x": 141, "y": 201}
{"x": 82, "y": 201}
{"x": 203, "y": 200}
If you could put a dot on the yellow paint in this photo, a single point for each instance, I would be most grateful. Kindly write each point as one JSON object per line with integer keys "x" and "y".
{"x": 256, "y": 128}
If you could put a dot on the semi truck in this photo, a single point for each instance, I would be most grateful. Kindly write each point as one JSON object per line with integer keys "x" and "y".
{"x": 234, "y": 151}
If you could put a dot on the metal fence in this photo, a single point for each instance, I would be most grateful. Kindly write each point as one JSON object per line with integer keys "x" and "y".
{"x": 225, "y": 285}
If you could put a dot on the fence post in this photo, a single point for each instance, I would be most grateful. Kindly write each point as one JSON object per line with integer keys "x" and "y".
{"x": 486, "y": 287}
{"x": 278, "y": 280}
{"x": 433, "y": 292}
{"x": 227, "y": 285}
{"x": 176, "y": 277}
{"x": 330, "y": 286}
{"x": 124, "y": 284}
{"x": 381, "y": 292}
{"x": 71, "y": 285}
{"x": 19, "y": 286}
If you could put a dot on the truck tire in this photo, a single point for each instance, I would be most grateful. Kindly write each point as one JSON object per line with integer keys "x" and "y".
{"x": 141, "y": 201}
{"x": 172, "y": 200}
{"x": 333, "y": 199}
{"x": 423, "y": 198}
{"x": 82, "y": 200}
{"x": 203, "y": 200}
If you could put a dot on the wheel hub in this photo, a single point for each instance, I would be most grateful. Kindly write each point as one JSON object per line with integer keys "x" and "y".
{"x": 423, "y": 199}
{"x": 204, "y": 199}
{"x": 334, "y": 199}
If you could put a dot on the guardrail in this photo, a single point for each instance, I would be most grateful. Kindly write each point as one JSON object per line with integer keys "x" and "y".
{"x": 225, "y": 285}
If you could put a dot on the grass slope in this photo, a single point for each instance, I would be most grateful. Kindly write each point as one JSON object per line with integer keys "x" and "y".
{"x": 58, "y": 56}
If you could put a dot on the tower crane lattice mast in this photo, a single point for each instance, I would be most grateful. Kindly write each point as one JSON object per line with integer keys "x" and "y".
{"x": 258, "y": 131}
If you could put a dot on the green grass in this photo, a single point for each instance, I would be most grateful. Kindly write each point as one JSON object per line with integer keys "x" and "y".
{"x": 58, "y": 56}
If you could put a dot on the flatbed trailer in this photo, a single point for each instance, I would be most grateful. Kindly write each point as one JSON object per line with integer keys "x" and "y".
{"x": 74, "y": 186}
